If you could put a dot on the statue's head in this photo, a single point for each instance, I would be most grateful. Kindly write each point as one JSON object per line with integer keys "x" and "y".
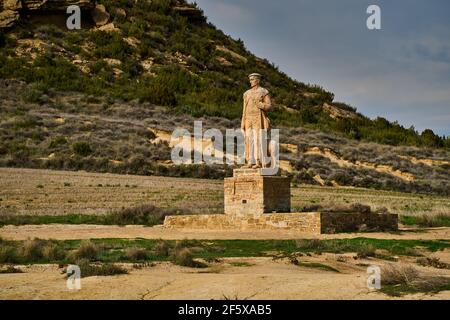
{"x": 255, "y": 79}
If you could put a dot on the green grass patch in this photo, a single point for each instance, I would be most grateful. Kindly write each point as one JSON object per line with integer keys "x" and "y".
{"x": 427, "y": 221}
{"x": 146, "y": 214}
{"x": 39, "y": 220}
{"x": 315, "y": 265}
{"x": 118, "y": 250}
{"x": 241, "y": 264}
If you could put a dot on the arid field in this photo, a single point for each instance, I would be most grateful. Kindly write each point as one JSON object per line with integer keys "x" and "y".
{"x": 142, "y": 262}
{"x": 46, "y": 192}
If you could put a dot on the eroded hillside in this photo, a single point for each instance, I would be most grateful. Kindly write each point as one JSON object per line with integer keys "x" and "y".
{"x": 99, "y": 98}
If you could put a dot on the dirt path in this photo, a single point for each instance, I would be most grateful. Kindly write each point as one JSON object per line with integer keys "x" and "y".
{"x": 66, "y": 232}
{"x": 262, "y": 278}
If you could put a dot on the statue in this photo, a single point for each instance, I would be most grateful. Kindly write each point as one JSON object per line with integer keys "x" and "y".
{"x": 255, "y": 123}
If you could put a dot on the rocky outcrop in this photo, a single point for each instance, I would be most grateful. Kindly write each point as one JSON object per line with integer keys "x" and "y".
{"x": 337, "y": 113}
{"x": 13, "y": 5}
{"x": 57, "y": 5}
{"x": 100, "y": 15}
{"x": 10, "y": 9}
{"x": 8, "y": 18}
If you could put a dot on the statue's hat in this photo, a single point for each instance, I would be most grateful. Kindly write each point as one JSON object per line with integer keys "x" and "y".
{"x": 257, "y": 75}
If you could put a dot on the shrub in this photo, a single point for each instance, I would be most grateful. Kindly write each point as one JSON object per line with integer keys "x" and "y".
{"x": 135, "y": 254}
{"x": 88, "y": 270}
{"x": 52, "y": 252}
{"x": 8, "y": 254}
{"x": 33, "y": 95}
{"x": 145, "y": 215}
{"x": 10, "y": 269}
{"x": 31, "y": 250}
{"x": 433, "y": 262}
{"x": 365, "y": 251}
{"x": 398, "y": 275}
{"x": 183, "y": 257}
{"x": 82, "y": 149}
{"x": 315, "y": 244}
{"x": 162, "y": 248}
{"x": 87, "y": 250}
{"x": 57, "y": 141}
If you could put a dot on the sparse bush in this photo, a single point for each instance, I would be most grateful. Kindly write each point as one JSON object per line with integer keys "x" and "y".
{"x": 315, "y": 244}
{"x": 52, "y": 252}
{"x": 183, "y": 257}
{"x": 82, "y": 149}
{"x": 147, "y": 214}
{"x": 88, "y": 269}
{"x": 58, "y": 141}
{"x": 136, "y": 254}
{"x": 186, "y": 243}
{"x": 399, "y": 280}
{"x": 427, "y": 220}
{"x": 398, "y": 275}
{"x": 87, "y": 250}
{"x": 162, "y": 248}
{"x": 366, "y": 251}
{"x": 31, "y": 250}
{"x": 8, "y": 254}
{"x": 433, "y": 262}
{"x": 10, "y": 269}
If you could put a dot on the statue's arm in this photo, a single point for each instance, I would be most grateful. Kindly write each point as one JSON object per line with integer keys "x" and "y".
{"x": 243, "y": 113}
{"x": 266, "y": 103}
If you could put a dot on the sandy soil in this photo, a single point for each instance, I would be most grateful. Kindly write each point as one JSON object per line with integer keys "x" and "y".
{"x": 67, "y": 232}
{"x": 262, "y": 279}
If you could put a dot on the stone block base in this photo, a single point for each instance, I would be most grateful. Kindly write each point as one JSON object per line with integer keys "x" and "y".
{"x": 310, "y": 222}
{"x": 248, "y": 191}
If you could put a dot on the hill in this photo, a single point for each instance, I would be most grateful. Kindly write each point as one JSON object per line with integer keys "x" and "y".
{"x": 96, "y": 98}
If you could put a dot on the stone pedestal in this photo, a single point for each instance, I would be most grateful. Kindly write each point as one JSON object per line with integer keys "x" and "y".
{"x": 249, "y": 192}
{"x": 254, "y": 202}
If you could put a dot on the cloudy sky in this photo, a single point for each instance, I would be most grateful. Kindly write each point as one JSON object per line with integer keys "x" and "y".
{"x": 401, "y": 72}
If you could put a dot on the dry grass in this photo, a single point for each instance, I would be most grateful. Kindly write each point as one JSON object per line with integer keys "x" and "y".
{"x": 100, "y": 194}
{"x": 162, "y": 248}
{"x": 433, "y": 262}
{"x": 10, "y": 269}
{"x": 87, "y": 250}
{"x": 136, "y": 254}
{"x": 183, "y": 257}
{"x": 88, "y": 269}
{"x": 429, "y": 220}
{"x": 405, "y": 279}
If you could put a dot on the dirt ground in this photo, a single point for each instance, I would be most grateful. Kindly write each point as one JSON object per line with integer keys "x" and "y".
{"x": 261, "y": 278}
{"x": 68, "y": 232}
{"x": 42, "y": 192}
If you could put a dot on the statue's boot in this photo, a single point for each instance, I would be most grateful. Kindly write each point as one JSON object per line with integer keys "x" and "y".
{"x": 257, "y": 166}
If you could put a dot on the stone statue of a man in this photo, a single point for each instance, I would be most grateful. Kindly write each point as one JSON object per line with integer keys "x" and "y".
{"x": 254, "y": 122}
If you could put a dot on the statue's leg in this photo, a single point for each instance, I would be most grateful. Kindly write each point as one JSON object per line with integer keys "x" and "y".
{"x": 248, "y": 144}
{"x": 265, "y": 149}
{"x": 257, "y": 150}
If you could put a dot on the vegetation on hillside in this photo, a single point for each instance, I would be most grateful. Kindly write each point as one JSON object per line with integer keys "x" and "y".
{"x": 177, "y": 59}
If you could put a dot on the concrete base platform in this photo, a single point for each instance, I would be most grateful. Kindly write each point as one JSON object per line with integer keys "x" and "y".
{"x": 309, "y": 222}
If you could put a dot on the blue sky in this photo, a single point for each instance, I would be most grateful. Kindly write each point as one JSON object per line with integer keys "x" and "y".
{"x": 401, "y": 72}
